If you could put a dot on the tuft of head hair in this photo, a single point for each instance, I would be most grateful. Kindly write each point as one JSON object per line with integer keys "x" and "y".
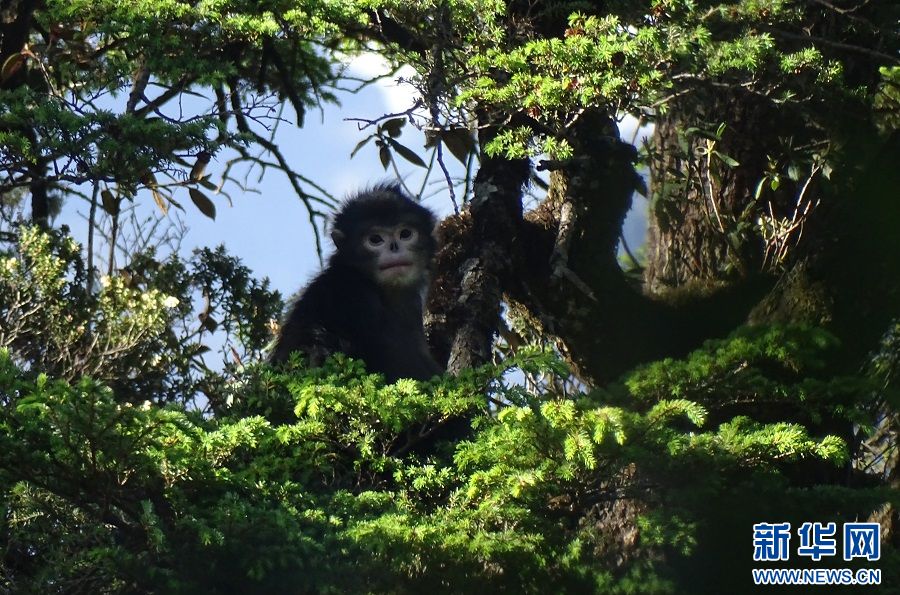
{"x": 382, "y": 205}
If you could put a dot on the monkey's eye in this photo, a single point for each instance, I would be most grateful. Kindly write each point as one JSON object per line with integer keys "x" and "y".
{"x": 405, "y": 234}
{"x": 375, "y": 239}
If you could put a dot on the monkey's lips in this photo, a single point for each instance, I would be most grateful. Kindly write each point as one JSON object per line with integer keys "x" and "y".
{"x": 400, "y": 264}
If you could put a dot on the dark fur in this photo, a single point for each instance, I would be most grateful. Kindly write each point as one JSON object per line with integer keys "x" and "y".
{"x": 344, "y": 309}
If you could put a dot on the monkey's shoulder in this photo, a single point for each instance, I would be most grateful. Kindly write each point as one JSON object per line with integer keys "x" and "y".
{"x": 328, "y": 315}
{"x": 339, "y": 301}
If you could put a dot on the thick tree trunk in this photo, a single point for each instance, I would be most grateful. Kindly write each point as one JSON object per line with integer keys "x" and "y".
{"x": 846, "y": 273}
{"x": 704, "y": 208}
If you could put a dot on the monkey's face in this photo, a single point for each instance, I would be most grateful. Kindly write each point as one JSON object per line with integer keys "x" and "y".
{"x": 386, "y": 236}
{"x": 397, "y": 255}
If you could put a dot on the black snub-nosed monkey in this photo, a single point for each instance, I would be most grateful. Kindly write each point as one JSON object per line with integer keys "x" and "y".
{"x": 367, "y": 303}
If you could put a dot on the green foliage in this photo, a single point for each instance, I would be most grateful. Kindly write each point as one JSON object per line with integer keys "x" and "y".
{"x": 345, "y": 484}
{"x": 637, "y": 57}
{"x": 758, "y": 367}
{"x": 117, "y": 148}
{"x": 156, "y": 32}
{"x": 128, "y": 464}
{"x": 591, "y": 65}
{"x": 887, "y": 101}
{"x": 116, "y": 94}
{"x": 137, "y": 331}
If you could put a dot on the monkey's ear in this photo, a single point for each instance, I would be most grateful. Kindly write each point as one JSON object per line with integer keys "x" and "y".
{"x": 338, "y": 237}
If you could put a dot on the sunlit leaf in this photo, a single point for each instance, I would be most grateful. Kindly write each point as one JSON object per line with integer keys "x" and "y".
{"x": 200, "y": 165}
{"x": 160, "y": 201}
{"x": 11, "y": 66}
{"x": 109, "y": 201}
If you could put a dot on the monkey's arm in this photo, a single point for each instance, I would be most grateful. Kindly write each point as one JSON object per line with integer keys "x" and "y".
{"x": 316, "y": 342}
{"x": 310, "y": 327}
{"x": 336, "y": 312}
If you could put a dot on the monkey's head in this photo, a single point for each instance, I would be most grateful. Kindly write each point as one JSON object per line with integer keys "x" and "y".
{"x": 386, "y": 235}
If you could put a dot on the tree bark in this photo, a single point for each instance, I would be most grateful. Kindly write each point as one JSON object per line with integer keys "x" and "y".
{"x": 703, "y": 206}
{"x": 15, "y": 27}
{"x": 472, "y": 266}
{"x": 568, "y": 283}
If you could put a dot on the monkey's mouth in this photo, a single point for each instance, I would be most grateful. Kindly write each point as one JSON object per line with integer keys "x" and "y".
{"x": 400, "y": 264}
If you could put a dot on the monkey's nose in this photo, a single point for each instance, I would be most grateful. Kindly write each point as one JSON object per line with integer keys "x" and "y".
{"x": 394, "y": 246}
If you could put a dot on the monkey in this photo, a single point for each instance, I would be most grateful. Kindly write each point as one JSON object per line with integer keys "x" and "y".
{"x": 367, "y": 303}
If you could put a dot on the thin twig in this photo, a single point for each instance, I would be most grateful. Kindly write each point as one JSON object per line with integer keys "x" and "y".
{"x": 92, "y": 221}
{"x": 834, "y": 44}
